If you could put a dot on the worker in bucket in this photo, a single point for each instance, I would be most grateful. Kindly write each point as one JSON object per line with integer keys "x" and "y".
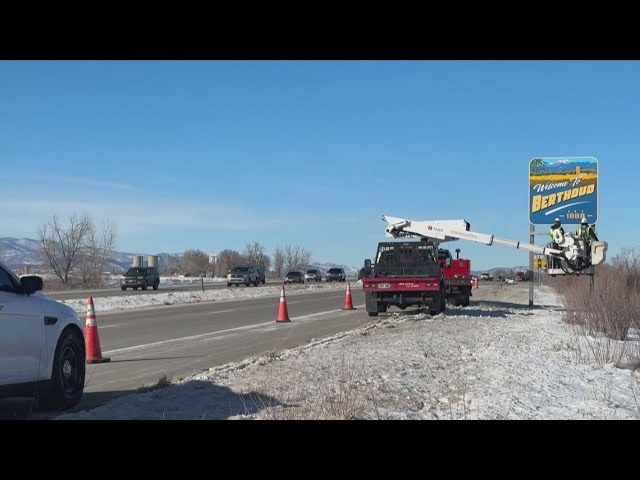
{"x": 585, "y": 231}
{"x": 556, "y": 224}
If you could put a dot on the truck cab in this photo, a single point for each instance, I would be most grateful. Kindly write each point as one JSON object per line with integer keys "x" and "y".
{"x": 404, "y": 274}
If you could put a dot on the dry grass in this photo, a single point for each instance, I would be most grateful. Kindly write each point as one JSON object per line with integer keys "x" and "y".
{"x": 319, "y": 391}
{"x": 606, "y": 316}
{"x": 163, "y": 382}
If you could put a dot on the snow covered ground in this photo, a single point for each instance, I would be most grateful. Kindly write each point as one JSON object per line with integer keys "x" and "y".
{"x": 106, "y": 304}
{"x": 494, "y": 359}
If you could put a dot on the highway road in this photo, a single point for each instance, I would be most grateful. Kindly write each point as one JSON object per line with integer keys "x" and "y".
{"x": 181, "y": 340}
{"x": 117, "y": 292}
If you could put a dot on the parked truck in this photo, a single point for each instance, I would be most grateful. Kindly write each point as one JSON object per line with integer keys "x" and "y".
{"x": 411, "y": 273}
{"x": 404, "y": 274}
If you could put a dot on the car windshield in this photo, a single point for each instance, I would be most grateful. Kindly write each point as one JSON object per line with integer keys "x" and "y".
{"x": 334, "y": 270}
{"x": 293, "y": 274}
{"x": 240, "y": 270}
{"x": 135, "y": 271}
{"x": 312, "y": 271}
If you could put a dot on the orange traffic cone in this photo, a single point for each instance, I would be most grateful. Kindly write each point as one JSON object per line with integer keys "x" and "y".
{"x": 283, "y": 313}
{"x": 476, "y": 283}
{"x": 92, "y": 341}
{"x": 348, "y": 302}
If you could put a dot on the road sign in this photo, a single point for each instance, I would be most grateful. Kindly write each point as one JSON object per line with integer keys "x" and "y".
{"x": 564, "y": 188}
{"x": 540, "y": 263}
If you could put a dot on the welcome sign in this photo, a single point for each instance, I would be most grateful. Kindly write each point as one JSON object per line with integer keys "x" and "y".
{"x": 563, "y": 187}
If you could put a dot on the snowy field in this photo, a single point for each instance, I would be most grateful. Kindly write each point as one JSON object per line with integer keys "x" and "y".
{"x": 496, "y": 359}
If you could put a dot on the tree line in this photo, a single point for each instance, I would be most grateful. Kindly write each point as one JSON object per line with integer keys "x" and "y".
{"x": 80, "y": 252}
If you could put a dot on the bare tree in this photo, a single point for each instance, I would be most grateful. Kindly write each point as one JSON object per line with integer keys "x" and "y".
{"x": 96, "y": 254}
{"x": 195, "y": 261}
{"x": 295, "y": 256}
{"x": 256, "y": 255}
{"x": 500, "y": 274}
{"x": 228, "y": 259}
{"x": 61, "y": 246}
{"x": 278, "y": 260}
{"x": 172, "y": 263}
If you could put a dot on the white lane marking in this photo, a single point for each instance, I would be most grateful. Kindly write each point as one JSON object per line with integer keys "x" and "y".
{"x": 222, "y": 311}
{"x": 321, "y": 313}
{"x": 109, "y": 326}
{"x": 213, "y": 334}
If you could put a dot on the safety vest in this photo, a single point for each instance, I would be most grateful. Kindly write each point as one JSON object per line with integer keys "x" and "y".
{"x": 584, "y": 232}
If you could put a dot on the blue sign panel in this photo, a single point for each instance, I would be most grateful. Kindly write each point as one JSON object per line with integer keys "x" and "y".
{"x": 564, "y": 188}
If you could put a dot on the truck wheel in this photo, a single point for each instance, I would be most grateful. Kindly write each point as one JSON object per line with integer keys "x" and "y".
{"x": 156, "y": 285}
{"x": 135, "y": 288}
{"x": 228, "y": 284}
{"x": 123, "y": 289}
{"x": 373, "y": 314}
{"x": 382, "y": 307}
{"x": 465, "y": 301}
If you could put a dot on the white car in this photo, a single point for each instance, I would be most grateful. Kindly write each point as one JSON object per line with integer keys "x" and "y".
{"x": 42, "y": 349}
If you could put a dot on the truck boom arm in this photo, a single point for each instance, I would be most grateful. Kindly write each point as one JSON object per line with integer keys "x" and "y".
{"x": 571, "y": 248}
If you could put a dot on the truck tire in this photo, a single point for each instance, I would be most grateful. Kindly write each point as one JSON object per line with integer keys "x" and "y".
{"x": 465, "y": 301}
{"x": 371, "y": 304}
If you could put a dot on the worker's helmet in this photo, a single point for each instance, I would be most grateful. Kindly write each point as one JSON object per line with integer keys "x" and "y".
{"x": 584, "y": 221}
{"x": 556, "y": 219}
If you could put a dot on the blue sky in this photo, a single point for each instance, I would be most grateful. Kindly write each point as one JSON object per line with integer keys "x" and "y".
{"x": 215, "y": 154}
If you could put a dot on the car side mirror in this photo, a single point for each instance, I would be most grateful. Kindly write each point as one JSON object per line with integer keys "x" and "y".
{"x": 367, "y": 263}
{"x": 447, "y": 262}
{"x": 31, "y": 283}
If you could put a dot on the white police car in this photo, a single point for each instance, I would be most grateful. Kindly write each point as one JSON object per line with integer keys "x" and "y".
{"x": 42, "y": 349}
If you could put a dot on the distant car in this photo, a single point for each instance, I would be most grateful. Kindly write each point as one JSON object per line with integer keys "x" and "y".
{"x": 485, "y": 276}
{"x": 336, "y": 274}
{"x": 294, "y": 277}
{"x": 313, "y": 274}
{"x": 246, "y": 274}
{"x": 509, "y": 281}
{"x": 42, "y": 345}
{"x": 142, "y": 277}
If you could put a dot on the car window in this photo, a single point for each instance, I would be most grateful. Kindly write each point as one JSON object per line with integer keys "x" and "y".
{"x": 6, "y": 284}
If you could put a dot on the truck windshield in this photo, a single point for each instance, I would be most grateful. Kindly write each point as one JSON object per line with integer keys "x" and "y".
{"x": 405, "y": 260}
{"x": 240, "y": 270}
